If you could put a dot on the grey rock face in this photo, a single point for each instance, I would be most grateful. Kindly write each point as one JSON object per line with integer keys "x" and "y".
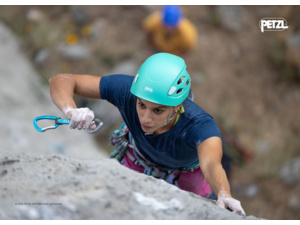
{"x": 58, "y": 187}
{"x": 231, "y": 16}
{"x": 290, "y": 172}
{"x": 294, "y": 41}
{"x": 74, "y": 52}
{"x": 127, "y": 67}
{"x": 23, "y": 97}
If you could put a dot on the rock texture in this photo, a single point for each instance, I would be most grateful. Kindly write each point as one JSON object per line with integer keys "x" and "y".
{"x": 289, "y": 173}
{"x": 58, "y": 187}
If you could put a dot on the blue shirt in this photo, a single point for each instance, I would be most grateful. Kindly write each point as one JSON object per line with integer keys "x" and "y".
{"x": 174, "y": 148}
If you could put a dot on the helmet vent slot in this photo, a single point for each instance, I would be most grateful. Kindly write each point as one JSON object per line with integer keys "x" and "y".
{"x": 180, "y": 80}
{"x": 187, "y": 82}
{"x": 178, "y": 91}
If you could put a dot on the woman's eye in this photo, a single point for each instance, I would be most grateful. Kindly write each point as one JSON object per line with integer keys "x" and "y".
{"x": 141, "y": 105}
{"x": 157, "y": 111}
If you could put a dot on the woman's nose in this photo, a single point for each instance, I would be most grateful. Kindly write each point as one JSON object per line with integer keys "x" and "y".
{"x": 146, "y": 118}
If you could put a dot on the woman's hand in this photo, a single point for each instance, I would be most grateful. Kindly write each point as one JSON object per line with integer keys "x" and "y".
{"x": 80, "y": 117}
{"x": 225, "y": 201}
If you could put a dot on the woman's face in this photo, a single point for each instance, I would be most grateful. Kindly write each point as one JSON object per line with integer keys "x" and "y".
{"x": 152, "y": 116}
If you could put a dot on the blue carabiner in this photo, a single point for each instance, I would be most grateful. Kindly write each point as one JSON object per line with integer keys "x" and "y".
{"x": 58, "y": 121}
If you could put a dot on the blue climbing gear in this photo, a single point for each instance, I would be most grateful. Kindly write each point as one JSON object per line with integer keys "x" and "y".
{"x": 119, "y": 139}
{"x": 122, "y": 140}
{"x": 59, "y": 121}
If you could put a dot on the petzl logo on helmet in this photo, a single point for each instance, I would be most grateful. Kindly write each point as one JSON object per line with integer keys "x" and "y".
{"x": 273, "y": 24}
{"x": 148, "y": 89}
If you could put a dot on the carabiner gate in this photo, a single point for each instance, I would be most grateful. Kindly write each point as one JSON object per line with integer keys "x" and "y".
{"x": 45, "y": 118}
{"x": 98, "y": 123}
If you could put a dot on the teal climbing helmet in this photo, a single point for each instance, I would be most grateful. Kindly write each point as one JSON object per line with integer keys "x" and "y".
{"x": 162, "y": 79}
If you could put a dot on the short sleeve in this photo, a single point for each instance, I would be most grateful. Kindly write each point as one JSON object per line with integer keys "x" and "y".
{"x": 199, "y": 132}
{"x": 115, "y": 88}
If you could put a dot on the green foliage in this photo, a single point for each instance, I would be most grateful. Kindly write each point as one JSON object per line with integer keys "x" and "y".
{"x": 15, "y": 22}
{"x": 214, "y": 18}
{"x": 277, "y": 53}
{"x": 108, "y": 60}
{"x": 223, "y": 121}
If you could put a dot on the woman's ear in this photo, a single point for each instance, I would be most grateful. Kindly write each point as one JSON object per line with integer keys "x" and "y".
{"x": 178, "y": 107}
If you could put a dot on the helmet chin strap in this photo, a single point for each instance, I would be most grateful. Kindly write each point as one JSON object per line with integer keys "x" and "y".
{"x": 169, "y": 117}
{"x": 168, "y": 120}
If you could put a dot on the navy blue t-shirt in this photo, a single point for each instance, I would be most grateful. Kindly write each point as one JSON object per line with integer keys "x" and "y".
{"x": 174, "y": 148}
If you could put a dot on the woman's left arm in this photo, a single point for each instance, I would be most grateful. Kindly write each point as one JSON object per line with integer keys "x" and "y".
{"x": 210, "y": 155}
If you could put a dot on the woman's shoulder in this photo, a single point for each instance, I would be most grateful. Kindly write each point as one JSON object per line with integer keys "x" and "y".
{"x": 112, "y": 86}
{"x": 194, "y": 111}
{"x": 198, "y": 124}
{"x": 118, "y": 76}
{"x": 117, "y": 80}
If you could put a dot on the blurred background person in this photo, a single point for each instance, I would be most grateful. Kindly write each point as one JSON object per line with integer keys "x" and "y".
{"x": 168, "y": 31}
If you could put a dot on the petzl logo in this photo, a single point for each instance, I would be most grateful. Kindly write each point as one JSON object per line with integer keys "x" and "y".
{"x": 273, "y": 24}
{"x": 148, "y": 89}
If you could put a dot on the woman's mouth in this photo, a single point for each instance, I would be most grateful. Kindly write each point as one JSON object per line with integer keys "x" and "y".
{"x": 146, "y": 127}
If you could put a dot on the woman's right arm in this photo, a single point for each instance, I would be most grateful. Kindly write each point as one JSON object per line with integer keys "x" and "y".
{"x": 62, "y": 89}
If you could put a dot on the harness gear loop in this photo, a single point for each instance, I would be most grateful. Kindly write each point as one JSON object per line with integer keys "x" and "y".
{"x": 119, "y": 139}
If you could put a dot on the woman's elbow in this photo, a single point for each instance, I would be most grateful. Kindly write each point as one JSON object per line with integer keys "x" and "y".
{"x": 59, "y": 77}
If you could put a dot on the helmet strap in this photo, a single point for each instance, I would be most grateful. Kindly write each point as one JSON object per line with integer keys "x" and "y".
{"x": 169, "y": 117}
